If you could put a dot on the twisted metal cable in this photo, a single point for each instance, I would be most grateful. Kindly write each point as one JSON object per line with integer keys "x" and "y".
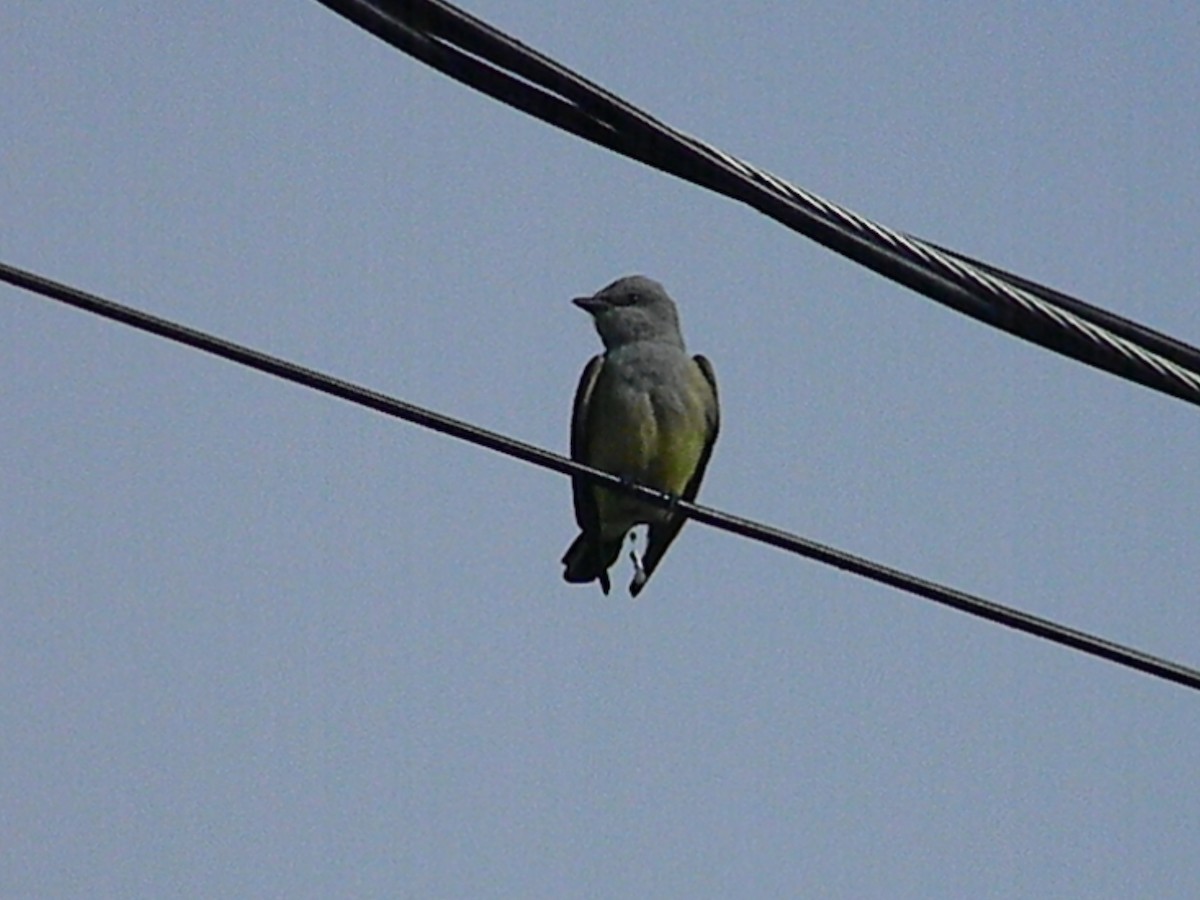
{"x": 471, "y": 51}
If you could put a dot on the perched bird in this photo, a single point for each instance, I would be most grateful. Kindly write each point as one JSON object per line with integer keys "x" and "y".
{"x": 644, "y": 411}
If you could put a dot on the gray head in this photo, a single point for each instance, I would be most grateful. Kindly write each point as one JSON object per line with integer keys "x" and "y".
{"x": 634, "y": 308}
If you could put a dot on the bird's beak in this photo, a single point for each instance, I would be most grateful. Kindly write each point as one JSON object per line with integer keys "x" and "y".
{"x": 590, "y": 305}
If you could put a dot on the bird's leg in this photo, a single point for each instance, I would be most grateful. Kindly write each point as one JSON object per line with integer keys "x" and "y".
{"x": 639, "y": 573}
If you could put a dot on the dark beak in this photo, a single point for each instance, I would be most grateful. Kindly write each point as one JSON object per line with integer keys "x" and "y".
{"x": 589, "y": 304}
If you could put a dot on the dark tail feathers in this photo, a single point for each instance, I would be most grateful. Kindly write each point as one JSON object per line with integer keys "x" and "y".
{"x": 588, "y": 559}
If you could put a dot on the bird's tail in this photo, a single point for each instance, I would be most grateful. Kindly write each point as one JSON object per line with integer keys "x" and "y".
{"x": 589, "y": 559}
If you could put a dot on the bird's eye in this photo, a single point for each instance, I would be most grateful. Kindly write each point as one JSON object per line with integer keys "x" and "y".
{"x": 629, "y": 299}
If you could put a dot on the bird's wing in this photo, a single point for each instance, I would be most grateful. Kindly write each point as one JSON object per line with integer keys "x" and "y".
{"x": 587, "y": 514}
{"x": 662, "y": 534}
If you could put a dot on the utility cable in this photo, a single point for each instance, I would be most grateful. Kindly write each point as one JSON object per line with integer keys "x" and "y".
{"x": 272, "y": 365}
{"x": 473, "y": 52}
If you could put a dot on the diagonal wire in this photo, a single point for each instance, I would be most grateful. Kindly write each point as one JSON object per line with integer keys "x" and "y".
{"x": 272, "y": 365}
{"x": 471, "y": 51}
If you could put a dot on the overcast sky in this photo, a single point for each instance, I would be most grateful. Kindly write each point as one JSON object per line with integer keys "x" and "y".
{"x": 255, "y": 641}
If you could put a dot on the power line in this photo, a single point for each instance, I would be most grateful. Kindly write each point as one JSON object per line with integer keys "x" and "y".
{"x": 968, "y": 603}
{"x": 485, "y": 58}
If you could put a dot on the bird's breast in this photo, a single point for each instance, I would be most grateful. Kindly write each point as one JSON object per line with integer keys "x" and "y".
{"x": 650, "y": 433}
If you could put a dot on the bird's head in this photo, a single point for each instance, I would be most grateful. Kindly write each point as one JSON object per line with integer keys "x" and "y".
{"x": 634, "y": 308}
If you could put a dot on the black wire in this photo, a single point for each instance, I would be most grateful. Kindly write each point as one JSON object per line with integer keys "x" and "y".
{"x": 484, "y": 78}
{"x": 968, "y": 603}
{"x": 1162, "y": 344}
{"x": 428, "y": 29}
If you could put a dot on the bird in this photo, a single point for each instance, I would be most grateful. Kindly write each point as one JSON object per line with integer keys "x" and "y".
{"x": 644, "y": 411}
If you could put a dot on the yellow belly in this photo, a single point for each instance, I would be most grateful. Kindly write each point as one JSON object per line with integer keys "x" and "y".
{"x": 636, "y": 443}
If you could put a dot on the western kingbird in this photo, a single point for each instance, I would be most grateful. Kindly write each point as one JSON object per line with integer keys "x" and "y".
{"x": 644, "y": 411}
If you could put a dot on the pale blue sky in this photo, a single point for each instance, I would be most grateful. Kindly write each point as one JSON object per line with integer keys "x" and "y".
{"x": 259, "y": 642}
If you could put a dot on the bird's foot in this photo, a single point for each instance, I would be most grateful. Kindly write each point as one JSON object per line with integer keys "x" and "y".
{"x": 639, "y": 572}
{"x": 639, "y": 575}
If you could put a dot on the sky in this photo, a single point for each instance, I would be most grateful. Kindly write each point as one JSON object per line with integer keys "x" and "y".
{"x": 260, "y": 642}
